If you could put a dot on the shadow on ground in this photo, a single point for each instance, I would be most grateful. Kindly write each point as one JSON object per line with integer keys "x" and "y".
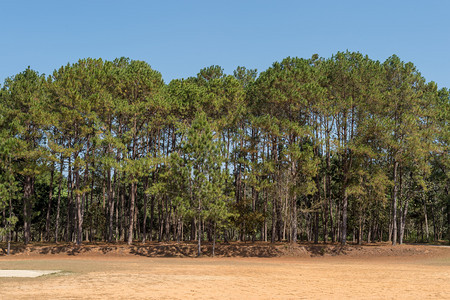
{"x": 233, "y": 249}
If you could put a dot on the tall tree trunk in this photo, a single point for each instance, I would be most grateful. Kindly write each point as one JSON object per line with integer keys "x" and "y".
{"x": 109, "y": 206}
{"x": 433, "y": 216}
{"x": 83, "y": 184}
{"x": 264, "y": 238}
{"x": 193, "y": 230}
{"x": 448, "y": 212}
{"x": 27, "y": 194}
{"x": 58, "y": 212}
{"x": 316, "y": 227}
{"x": 132, "y": 208}
{"x": 121, "y": 222}
{"x": 345, "y": 170}
{"x": 344, "y": 217}
{"x": 78, "y": 205}
{"x": 133, "y": 185}
{"x": 4, "y": 235}
{"x": 325, "y": 211}
{"x": 167, "y": 220}
{"x": 49, "y": 206}
{"x": 360, "y": 228}
{"x": 318, "y": 201}
{"x": 9, "y": 226}
{"x": 294, "y": 221}
{"x": 69, "y": 202}
{"x": 403, "y": 221}
{"x": 144, "y": 221}
{"x": 214, "y": 240}
{"x": 332, "y": 227}
{"x": 199, "y": 235}
{"x": 327, "y": 186}
{"x": 58, "y": 207}
{"x": 425, "y": 214}
{"x": 111, "y": 185}
{"x": 274, "y": 221}
{"x": 394, "y": 205}
{"x": 152, "y": 216}
{"x": 112, "y": 206}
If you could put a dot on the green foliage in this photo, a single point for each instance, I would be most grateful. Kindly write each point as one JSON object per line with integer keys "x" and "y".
{"x": 306, "y": 142}
{"x": 203, "y": 170}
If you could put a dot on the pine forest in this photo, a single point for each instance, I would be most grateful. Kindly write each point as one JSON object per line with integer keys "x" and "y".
{"x": 344, "y": 149}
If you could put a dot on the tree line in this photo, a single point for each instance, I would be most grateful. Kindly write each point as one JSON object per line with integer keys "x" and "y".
{"x": 319, "y": 149}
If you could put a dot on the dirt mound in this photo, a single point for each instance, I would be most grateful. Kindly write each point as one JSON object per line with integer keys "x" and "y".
{"x": 235, "y": 249}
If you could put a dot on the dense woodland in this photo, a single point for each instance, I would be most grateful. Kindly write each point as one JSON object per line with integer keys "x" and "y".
{"x": 341, "y": 149}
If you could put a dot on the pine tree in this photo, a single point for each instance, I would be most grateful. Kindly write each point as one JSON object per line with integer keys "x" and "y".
{"x": 205, "y": 179}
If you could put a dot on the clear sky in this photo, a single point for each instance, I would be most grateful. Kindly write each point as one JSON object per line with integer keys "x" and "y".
{"x": 178, "y": 38}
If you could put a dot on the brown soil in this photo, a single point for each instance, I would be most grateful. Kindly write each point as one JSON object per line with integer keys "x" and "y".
{"x": 281, "y": 272}
{"x": 234, "y": 249}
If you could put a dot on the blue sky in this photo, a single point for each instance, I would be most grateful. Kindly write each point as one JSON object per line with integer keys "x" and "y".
{"x": 178, "y": 38}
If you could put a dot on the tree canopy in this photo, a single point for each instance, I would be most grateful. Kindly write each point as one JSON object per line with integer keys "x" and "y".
{"x": 318, "y": 149}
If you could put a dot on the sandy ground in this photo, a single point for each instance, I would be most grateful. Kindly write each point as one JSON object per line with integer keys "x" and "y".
{"x": 425, "y": 276}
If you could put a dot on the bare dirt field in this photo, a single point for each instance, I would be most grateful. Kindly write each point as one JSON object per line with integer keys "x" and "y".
{"x": 301, "y": 272}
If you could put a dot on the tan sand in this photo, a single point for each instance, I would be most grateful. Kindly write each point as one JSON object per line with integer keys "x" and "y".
{"x": 136, "y": 277}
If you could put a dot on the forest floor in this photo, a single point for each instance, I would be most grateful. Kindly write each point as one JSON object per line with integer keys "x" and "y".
{"x": 242, "y": 271}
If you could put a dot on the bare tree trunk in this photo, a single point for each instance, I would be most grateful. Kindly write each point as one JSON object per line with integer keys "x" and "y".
{"x": 193, "y": 230}
{"x": 4, "y": 235}
{"x": 199, "y": 234}
{"x": 117, "y": 205}
{"x": 144, "y": 221}
{"x": 160, "y": 221}
{"x": 274, "y": 222}
{"x": 9, "y": 226}
{"x": 294, "y": 221}
{"x": 78, "y": 204}
{"x": 58, "y": 207}
{"x": 448, "y": 212}
{"x": 167, "y": 220}
{"x": 27, "y": 194}
{"x": 265, "y": 218}
{"x": 122, "y": 213}
{"x": 69, "y": 201}
{"x": 403, "y": 221}
{"x": 327, "y": 188}
{"x": 133, "y": 187}
{"x": 214, "y": 240}
{"x": 435, "y": 234}
{"x": 332, "y": 227}
{"x": 325, "y": 212}
{"x": 316, "y": 227}
{"x": 280, "y": 221}
{"x": 49, "y": 206}
{"x": 109, "y": 205}
{"x": 427, "y": 232}
{"x": 85, "y": 182}
{"x": 360, "y": 229}
{"x": 344, "y": 218}
{"x": 152, "y": 216}
{"x": 132, "y": 207}
{"x": 394, "y": 206}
